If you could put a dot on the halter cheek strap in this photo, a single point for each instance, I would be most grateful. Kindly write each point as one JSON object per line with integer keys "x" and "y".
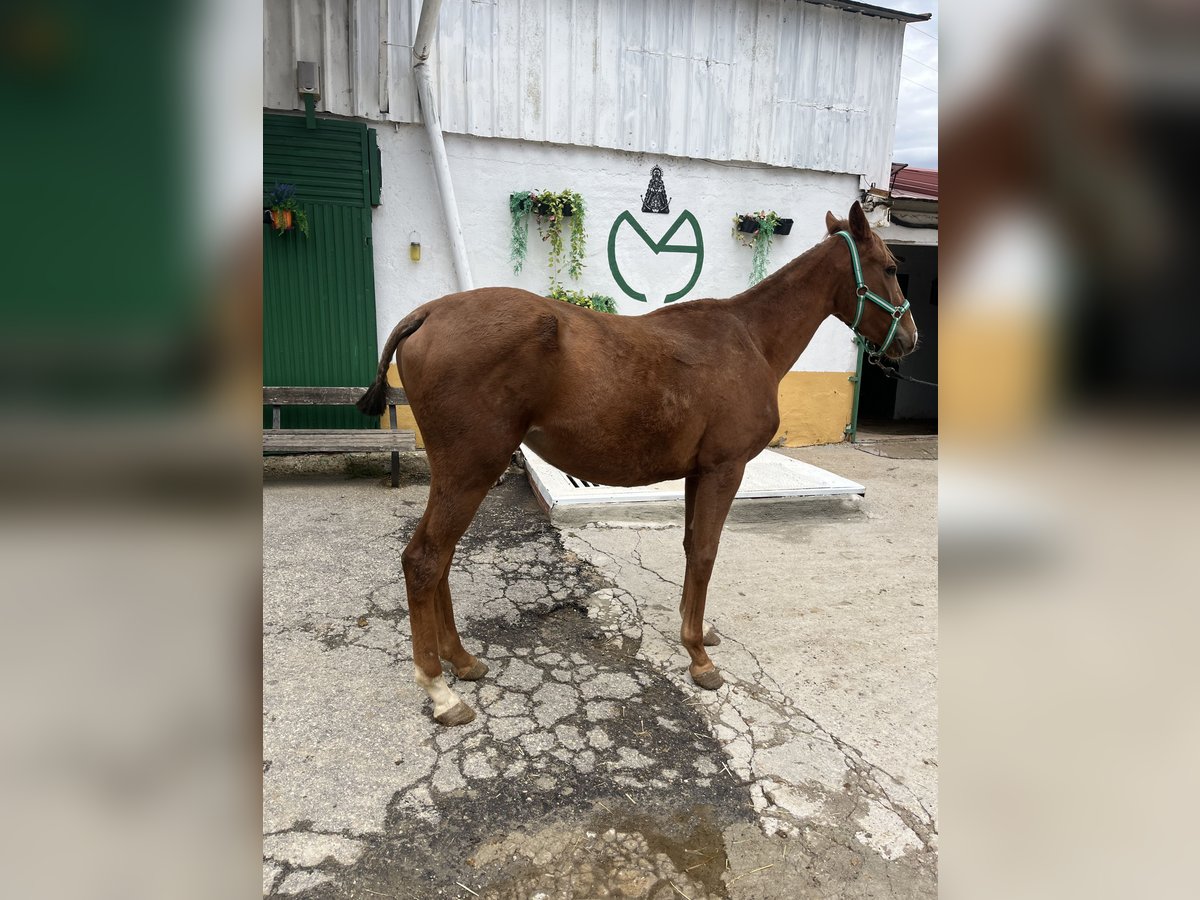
{"x": 864, "y": 294}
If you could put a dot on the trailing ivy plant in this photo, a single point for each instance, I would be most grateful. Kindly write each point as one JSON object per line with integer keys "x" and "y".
{"x": 598, "y": 302}
{"x": 549, "y": 210}
{"x": 760, "y": 240}
{"x": 520, "y": 205}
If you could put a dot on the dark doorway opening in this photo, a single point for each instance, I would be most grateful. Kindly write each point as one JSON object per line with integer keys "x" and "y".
{"x": 890, "y": 406}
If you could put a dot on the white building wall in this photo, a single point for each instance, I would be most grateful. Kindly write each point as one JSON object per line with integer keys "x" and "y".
{"x": 784, "y": 82}
{"x": 894, "y": 233}
{"x": 486, "y": 171}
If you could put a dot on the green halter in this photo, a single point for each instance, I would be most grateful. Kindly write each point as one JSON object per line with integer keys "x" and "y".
{"x": 864, "y": 293}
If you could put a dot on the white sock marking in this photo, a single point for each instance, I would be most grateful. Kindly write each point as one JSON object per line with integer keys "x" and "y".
{"x": 439, "y": 692}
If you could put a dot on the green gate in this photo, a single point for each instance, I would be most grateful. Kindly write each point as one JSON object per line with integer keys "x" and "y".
{"x": 319, "y": 290}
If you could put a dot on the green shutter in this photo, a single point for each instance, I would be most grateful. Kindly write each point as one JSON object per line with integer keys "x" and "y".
{"x": 319, "y": 291}
{"x": 376, "y": 163}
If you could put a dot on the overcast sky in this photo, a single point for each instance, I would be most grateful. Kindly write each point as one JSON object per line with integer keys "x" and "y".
{"x": 916, "y": 117}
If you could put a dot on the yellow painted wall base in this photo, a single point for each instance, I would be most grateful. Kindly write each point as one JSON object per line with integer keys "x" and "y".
{"x": 404, "y": 416}
{"x": 1008, "y": 399}
{"x": 814, "y": 408}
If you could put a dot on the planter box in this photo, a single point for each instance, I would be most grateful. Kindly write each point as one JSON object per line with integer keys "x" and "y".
{"x": 749, "y": 225}
{"x": 541, "y": 209}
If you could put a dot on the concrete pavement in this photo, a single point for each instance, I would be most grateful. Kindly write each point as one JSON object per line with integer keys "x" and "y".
{"x": 595, "y": 767}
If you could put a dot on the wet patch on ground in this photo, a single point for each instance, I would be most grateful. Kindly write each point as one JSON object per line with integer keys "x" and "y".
{"x": 570, "y": 729}
{"x": 575, "y": 735}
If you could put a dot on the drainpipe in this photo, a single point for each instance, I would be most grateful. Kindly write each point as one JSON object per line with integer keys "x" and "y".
{"x": 422, "y": 46}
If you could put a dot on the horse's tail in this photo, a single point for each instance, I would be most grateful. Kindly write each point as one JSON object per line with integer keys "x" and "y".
{"x": 374, "y": 401}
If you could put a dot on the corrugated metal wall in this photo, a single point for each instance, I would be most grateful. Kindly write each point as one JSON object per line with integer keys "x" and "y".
{"x": 783, "y": 82}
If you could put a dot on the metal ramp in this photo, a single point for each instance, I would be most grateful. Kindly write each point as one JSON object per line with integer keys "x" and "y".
{"x": 770, "y": 476}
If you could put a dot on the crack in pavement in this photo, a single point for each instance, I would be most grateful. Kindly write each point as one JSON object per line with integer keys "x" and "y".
{"x": 735, "y": 714}
{"x": 574, "y": 727}
{"x": 594, "y": 765}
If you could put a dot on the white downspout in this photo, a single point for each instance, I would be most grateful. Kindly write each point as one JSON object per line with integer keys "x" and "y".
{"x": 441, "y": 165}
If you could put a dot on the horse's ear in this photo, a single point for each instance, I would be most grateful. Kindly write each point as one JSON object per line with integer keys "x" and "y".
{"x": 859, "y": 227}
{"x": 832, "y": 225}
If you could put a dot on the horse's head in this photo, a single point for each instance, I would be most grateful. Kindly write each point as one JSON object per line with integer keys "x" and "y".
{"x": 871, "y": 287}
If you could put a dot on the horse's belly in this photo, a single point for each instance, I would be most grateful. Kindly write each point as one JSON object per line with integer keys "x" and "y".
{"x": 622, "y": 463}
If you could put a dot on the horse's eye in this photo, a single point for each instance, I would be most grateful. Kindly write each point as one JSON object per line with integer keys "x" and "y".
{"x": 890, "y": 270}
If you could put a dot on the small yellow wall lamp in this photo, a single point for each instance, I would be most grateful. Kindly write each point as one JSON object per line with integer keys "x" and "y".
{"x": 414, "y": 247}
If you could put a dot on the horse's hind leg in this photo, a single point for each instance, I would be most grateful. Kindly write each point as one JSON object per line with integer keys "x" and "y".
{"x": 454, "y": 495}
{"x": 707, "y": 500}
{"x": 450, "y": 647}
{"x": 711, "y": 638}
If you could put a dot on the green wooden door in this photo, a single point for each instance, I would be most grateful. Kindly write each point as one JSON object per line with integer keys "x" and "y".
{"x": 319, "y": 290}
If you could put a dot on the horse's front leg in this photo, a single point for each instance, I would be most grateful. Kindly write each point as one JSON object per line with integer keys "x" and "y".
{"x": 450, "y": 647}
{"x": 707, "y": 498}
{"x": 711, "y": 638}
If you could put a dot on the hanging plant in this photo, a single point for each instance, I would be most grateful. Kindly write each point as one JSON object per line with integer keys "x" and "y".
{"x": 285, "y": 210}
{"x": 520, "y": 205}
{"x": 598, "y": 302}
{"x": 551, "y": 209}
{"x": 756, "y": 230}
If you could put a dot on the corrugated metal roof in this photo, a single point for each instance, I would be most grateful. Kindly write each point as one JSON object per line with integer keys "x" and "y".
{"x": 798, "y": 84}
{"x": 911, "y": 182}
{"x": 868, "y": 10}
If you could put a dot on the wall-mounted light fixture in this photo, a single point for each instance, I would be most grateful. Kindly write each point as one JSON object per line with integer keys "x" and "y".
{"x": 414, "y": 247}
{"x": 308, "y": 86}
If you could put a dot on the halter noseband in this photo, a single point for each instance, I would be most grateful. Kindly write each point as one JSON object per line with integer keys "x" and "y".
{"x": 864, "y": 293}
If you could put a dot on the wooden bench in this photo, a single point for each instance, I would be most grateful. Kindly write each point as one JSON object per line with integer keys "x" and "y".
{"x": 335, "y": 440}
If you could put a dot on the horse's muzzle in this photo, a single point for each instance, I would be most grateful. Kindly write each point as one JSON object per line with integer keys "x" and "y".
{"x": 902, "y": 345}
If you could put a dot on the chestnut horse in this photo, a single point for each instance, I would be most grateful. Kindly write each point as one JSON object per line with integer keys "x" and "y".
{"x": 688, "y": 391}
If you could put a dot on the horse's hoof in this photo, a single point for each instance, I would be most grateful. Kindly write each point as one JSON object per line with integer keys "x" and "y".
{"x": 711, "y": 638}
{"x": 477, "y": 670}
{"x": 458, "y": 714}
{"x": 710, "y": 680}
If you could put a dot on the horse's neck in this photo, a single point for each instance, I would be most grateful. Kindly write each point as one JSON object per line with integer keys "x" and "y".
{"x": 783, "y": 312}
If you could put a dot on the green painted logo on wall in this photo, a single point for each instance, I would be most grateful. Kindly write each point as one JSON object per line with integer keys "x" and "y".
{"x": 662, "y": 245}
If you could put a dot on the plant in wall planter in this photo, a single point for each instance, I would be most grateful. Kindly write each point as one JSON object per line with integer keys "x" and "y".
{"x": 598, "y": 302}
{"x": 550, "y": 210}
{"x": 520, "y": 205}
{"x": 286, "y": 213}
{"x": 756, "y": 230}
{"x": 548, "y": 207}
{"x": 748, "y": 224}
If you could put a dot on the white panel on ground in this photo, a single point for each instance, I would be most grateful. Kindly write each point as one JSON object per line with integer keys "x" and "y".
{"x": 769, "y": 476}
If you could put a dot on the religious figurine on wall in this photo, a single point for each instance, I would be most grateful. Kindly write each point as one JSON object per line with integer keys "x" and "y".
{"x": 655, "y": 199}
